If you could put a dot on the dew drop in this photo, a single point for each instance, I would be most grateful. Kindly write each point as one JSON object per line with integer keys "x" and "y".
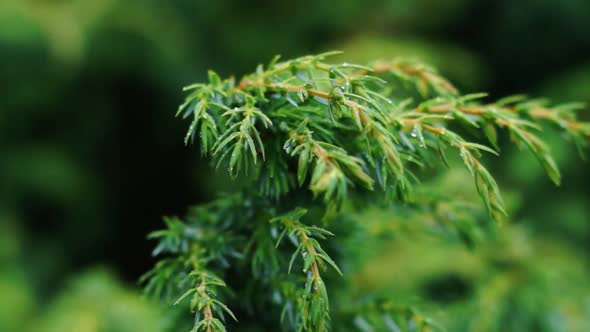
{"x": 414, "y": 133}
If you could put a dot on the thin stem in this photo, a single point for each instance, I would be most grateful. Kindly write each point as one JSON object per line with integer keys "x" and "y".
{"x": 207, "y": 309}
{"x": 311, "y": 250}
{"x": 540, "y": 113}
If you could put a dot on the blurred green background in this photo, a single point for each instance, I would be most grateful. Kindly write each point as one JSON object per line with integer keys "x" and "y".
{"x": 91, "y": 155}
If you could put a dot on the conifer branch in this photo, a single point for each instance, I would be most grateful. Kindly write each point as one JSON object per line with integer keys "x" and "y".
{"x": 191, "y": 251}
{"x": 304, "y": 128}
{"x": 315, "y": 307}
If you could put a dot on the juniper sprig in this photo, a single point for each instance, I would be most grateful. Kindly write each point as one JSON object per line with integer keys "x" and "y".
{"x": 311, "y": 140}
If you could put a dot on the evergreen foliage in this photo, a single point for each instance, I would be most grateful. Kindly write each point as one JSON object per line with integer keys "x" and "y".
{"x": 309, "y": 143}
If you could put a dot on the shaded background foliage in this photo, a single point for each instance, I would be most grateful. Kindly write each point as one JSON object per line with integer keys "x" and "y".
{"x": 91, "y": 155}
